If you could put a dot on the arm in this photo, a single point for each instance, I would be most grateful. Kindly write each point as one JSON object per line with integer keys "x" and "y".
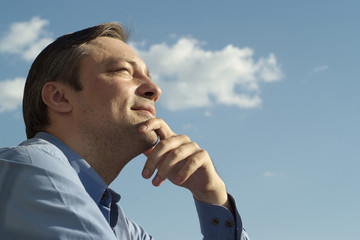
{"x": 185, "y": 164}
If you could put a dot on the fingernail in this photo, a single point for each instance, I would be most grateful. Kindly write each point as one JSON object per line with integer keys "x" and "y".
{"x": 146, "y": 173}
{"x": 157, "y": 181}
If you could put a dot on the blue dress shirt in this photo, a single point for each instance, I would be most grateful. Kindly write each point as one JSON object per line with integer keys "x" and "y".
{"x": 48, "y": 191}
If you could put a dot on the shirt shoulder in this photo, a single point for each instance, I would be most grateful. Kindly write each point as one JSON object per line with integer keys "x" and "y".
{"x": 36, "y": 152}
{"x": 40, "y": 202}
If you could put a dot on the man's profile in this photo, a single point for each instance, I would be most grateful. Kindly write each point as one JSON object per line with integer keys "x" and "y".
{"x": 89, "y": 109}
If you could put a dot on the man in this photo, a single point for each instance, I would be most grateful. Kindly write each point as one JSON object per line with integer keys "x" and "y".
{"x": 89, "y": 108}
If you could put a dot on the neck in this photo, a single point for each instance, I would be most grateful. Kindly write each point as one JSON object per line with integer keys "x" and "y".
{"x": 106, "y": 159}
{"x": 106, "y": 156}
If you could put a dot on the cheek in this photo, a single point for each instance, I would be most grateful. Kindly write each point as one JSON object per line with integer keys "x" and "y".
{"x": 104, "y": 94}
{"x": 119, "y": 100}
{"x": 112, "y": 98}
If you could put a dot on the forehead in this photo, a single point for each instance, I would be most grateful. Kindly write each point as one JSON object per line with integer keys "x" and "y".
{"x": 109, "y": 50}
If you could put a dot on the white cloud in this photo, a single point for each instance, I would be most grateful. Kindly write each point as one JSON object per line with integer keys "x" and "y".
{"x": 321, "y": 68}
{"x": 26, "y": 39}
{"x": 315, "y": 71}
{"x": 11, "y": 93}
{"x": 192, "y": 77}
{"x": 187, "y": 126}
{"x": 207, "y": 113}
{"x": 269, "y": 174}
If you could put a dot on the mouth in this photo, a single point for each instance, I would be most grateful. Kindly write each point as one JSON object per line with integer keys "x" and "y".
{"x": 145, "y": 109}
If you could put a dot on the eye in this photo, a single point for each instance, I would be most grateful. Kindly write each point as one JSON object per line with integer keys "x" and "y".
{"x": 121, "y": 71}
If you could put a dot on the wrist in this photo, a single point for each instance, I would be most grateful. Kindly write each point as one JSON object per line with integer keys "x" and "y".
{"x": 216, "y": 196}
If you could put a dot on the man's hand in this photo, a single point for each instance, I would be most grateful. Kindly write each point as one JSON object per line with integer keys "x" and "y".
{"x": 184, "y": 163}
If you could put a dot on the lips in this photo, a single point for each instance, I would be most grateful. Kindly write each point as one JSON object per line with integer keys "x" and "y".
{"x": 146, "y": 109}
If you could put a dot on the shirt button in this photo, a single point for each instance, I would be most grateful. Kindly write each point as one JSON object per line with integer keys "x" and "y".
{"x": 215, "y": 221}
{"x": 229, "y": 223}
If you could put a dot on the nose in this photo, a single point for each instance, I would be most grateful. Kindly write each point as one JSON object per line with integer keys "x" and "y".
{"x": 148, "y": 89}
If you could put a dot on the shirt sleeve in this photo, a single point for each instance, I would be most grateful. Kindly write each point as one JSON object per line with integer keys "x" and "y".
{"x": 126, "y": 228}
{"x": 218, "y": 223}
{"x": 41, "y": 204}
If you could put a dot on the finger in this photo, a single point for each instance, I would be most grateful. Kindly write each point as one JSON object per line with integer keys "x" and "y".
{"x": 167, "y": 145}
{"x": 192, "y": 164}
{"x": 160, "y": 151}
{"x": 148, "y": 152}
{"x": 173, "y": 162}
{"x": 147, "y": 172}
{"x": 157, "y": 125}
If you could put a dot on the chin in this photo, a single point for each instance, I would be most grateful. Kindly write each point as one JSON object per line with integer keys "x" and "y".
{"x": 151, "y": 139}
{"x": 148, "y": 142}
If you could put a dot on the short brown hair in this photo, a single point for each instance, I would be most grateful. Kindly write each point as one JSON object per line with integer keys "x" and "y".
{"x": 59, "y": 61}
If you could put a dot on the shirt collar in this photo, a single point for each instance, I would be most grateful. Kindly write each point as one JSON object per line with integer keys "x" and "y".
{"x": 93, "y": 183}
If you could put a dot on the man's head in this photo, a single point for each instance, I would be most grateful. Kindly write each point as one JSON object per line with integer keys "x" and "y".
{"x": 118, "y": 96}
{"x": 59, "y": 62}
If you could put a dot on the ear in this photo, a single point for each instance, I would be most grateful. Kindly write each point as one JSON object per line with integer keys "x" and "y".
{"x": 55, "y": 96}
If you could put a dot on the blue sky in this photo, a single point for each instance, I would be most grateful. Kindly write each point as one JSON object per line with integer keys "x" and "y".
{"x": 268, "y": 88}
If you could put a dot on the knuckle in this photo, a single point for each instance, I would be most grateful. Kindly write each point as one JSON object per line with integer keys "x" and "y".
{"x": 198, "y": 158}
{"x": 176, "y": 153}
{"x": 185, "y": 137}
{"x": 194, "y": 160}
{"x": 195, "y": 145}
{"x": 203, "y": 152}
{"x": 191, "y": 166}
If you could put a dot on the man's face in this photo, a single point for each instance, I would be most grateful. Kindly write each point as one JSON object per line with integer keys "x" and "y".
{"x": 117, "y": 94}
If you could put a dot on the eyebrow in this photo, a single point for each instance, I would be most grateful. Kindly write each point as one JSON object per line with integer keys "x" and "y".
{"x": 115, "y": 60}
